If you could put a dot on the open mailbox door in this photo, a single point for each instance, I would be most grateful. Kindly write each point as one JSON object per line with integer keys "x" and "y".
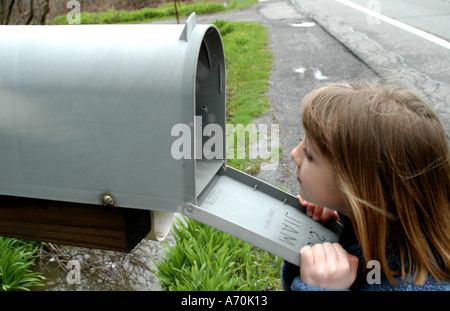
{"x": 260, "y": 214}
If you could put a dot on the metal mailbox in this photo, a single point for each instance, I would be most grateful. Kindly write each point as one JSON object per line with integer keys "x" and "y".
{"x": 87, "y": 116}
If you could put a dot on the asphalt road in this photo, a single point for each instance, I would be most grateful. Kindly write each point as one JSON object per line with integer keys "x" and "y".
{"x": 410, "y": 42}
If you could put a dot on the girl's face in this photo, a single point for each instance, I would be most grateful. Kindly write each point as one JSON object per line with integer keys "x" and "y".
{"x": 316, "y": 177}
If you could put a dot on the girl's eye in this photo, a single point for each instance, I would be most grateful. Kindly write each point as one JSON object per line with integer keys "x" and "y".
{"x": 307, "y": 154}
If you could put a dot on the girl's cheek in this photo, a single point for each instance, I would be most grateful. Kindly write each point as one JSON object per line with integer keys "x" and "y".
{"x": 304, "y": 186}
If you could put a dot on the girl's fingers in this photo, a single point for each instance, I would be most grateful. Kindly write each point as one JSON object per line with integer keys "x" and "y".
{"x": 318, "y": 212}
{"x": 330, "y": 252}
{"x": 328, "y": 265}
{"x": 307, "y": 258}
{"x": 302, "y": 202}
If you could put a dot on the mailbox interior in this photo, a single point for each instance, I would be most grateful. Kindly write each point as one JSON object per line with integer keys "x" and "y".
{"x": 209, "y": 111}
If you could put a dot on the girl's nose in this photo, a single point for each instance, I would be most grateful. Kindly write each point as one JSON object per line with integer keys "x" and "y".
{"x": 297, "y": 154}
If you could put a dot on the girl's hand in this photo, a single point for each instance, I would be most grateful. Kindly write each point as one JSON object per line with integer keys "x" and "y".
{"x": 317, "y": 212}
{"x": 328, "y": 266}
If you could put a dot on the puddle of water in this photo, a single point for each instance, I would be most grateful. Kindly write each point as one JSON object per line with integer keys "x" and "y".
{"x": 318, "y": 75}
{"x": 301, "y": 71}
{"x": 316, "y": 72}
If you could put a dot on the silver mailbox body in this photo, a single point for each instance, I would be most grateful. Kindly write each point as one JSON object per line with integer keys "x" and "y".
{"x": 89, "y": 110}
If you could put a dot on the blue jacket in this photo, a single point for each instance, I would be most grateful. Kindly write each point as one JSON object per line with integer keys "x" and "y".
{"x": 290, "y": 274}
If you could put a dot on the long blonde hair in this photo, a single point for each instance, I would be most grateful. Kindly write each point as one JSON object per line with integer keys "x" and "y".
{"x": 391, "y": 157}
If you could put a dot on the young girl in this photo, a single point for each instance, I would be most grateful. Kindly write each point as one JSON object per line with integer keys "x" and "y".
{"x": 379, "y": 156}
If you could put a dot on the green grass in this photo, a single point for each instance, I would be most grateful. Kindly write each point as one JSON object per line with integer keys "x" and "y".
{"x": 204, "y": 258}
{"x": 16, "y": 259}
{"x": 249, "y": 63}
{"x": 152, "y": 14}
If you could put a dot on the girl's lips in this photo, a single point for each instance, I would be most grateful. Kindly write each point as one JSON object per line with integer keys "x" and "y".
{"x": 299, "y": 180}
